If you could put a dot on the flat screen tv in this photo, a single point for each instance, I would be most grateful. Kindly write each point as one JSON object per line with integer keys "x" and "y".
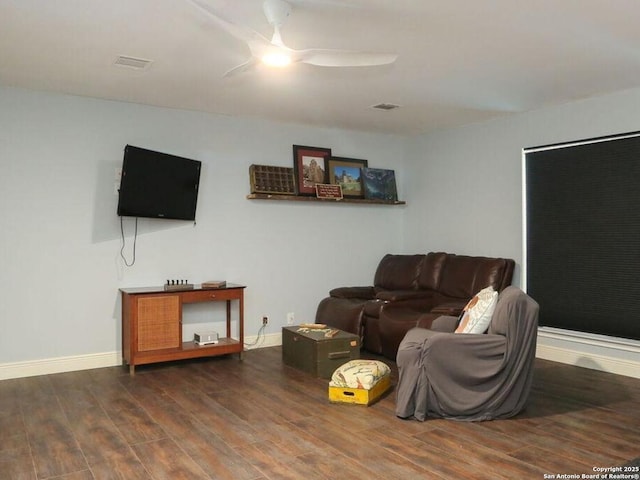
{"x": 158, "y": 185}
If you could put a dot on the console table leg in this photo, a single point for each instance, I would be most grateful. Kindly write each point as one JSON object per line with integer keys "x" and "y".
{"x": 132, "y": 370}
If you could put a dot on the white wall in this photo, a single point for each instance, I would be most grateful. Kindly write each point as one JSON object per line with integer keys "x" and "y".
{"x": 60, "y": 240}
{"x": 465, "y": 196}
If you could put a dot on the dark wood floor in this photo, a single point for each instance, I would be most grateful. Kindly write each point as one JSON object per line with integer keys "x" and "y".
{"x": 258, "y": 419}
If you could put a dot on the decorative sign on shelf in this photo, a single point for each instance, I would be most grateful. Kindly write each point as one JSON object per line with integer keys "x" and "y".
{"x": 325, "y": 190}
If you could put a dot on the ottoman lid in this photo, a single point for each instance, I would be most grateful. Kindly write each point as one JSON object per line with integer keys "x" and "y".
{"x": 361, "y": 373}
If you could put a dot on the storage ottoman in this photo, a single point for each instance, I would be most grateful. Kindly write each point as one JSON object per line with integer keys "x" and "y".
{"x": 312, "y": 351}
{"x": 359, "y": 381}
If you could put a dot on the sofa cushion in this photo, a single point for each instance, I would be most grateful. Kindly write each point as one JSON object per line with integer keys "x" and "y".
{"x": 476, "y": 316}
{"x": 398, "y": 272}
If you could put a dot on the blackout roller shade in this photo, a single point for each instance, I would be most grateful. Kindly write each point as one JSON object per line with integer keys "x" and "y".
{"x": 582, "y": 234}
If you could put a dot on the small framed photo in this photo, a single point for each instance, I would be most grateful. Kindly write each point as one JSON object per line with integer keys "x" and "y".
{"x": 309, "y": 167}
{"x": 379, "y": 184}
{"x": 347, "y": 172}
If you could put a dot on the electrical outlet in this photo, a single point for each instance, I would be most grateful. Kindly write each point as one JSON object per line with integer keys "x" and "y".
{"x": 291, "y": 317}
{"x": 265, "y": 320}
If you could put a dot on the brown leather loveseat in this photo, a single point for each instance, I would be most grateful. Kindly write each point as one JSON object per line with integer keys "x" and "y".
{"x": 410, "y": 291}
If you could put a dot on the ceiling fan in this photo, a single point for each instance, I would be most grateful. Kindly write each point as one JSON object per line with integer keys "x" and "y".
{"x": 276, "y": 54}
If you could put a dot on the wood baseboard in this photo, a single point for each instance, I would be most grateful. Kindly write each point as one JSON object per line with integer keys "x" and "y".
{"x": 48, "y": 366}
{"x": 597, "y": 352}
{"x": 607, "y": 360}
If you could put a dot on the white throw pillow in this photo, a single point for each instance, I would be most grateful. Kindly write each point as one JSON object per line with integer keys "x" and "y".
{"x": 477, "y": 314}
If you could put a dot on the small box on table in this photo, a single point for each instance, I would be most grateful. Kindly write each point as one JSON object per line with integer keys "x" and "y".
{"x": 312, "y": 351}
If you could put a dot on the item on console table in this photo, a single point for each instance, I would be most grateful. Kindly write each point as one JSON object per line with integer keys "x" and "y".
{"x": 214, "y": 284}
{"x": 205, "y": 338}
{"x": 271, "y": 179}
{"x": 173, "y": 285}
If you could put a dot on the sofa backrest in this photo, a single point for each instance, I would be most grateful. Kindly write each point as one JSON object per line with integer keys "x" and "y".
{"x": 431, "y": 271}
{"x": 463, "y": 276}
{"x": 398, "y": 272}
{"x": 452, "y": 276}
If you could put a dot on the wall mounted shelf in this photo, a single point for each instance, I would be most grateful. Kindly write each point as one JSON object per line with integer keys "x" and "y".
{"x": 298, "y": 198}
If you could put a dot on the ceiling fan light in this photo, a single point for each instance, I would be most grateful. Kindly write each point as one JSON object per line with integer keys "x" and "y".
{"x": 276, "y": 59}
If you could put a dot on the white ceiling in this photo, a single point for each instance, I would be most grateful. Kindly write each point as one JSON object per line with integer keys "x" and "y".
{"x": 460, "y": 61}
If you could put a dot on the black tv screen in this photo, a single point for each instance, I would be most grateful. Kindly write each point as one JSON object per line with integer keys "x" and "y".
{"x": 158, "y": 185}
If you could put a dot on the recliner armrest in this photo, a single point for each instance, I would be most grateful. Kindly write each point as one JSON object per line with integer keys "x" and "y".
{"x": 367, "y": 293}
{"x": 444, "y": 323}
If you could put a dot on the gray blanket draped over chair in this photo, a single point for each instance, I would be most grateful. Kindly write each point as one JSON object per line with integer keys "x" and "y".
{"x": 470, "y": 377}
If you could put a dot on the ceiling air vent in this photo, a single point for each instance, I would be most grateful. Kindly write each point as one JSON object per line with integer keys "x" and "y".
{"x": 386, "y": 106}
{"x": 131, "y": 62}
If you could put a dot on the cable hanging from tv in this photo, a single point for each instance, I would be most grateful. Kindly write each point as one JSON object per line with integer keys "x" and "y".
{"x": 135, "y": 237}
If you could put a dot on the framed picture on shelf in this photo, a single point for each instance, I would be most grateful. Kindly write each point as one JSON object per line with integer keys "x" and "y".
{"x": 379, "y": 184}
{"x": 309, "y": 167}
{"x": 347, "y": 172}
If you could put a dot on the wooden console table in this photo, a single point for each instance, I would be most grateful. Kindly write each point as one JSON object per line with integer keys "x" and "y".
{"x": 152, "y": 324}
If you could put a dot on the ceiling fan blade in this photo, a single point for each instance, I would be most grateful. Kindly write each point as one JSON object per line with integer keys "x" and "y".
{"x": 250, "y": 64}
{"x": 261, "y": 47}
{"x": 324, "y": 3}
{"x": 345, "y": 58}
{"x": 245, "y": 34}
